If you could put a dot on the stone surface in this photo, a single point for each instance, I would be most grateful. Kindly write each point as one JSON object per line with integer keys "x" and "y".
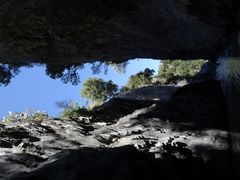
{"x": 125, "y": 147}
{"x": 192, "y": 123}
{"x": 154, "y": 93}
{"x": 74, "y": 31}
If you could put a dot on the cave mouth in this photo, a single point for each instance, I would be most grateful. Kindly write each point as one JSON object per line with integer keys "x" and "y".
{"x": 50, "y": 87}
{"x": 45, "y": 86}
{"x": 178, "y": 122}
{"x": 159, "y": 111}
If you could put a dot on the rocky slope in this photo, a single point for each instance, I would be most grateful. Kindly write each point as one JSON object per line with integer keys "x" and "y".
{"x": 151, "y": 93}
{"x": 130, "y": 145}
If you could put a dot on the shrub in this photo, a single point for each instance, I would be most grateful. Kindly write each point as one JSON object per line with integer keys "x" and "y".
{"x": 24, "y": 116}
{"x": 74, "y": 111}
{"x": 138, "y": 80}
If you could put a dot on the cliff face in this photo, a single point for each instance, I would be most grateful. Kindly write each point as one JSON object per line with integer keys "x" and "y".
{"x": 61, "y": 31}
{"x": 187, "y": 133}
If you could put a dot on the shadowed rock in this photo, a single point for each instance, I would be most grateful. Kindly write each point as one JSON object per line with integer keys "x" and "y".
{"x": 123, "y": 163}
{"x": 61, "y": 31}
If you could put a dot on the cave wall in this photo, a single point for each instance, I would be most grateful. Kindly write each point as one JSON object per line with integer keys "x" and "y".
{"x": 60, "y": 31}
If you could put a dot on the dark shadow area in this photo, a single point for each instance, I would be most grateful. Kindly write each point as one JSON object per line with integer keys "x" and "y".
{"x": 231, "y": 88}
{"x": 127, "y": 163}
{"x": 201, "y": 105}
{"x": 116, "y": 108}
{"x": 19, "y": 161}
{"x": 79, "y": 30}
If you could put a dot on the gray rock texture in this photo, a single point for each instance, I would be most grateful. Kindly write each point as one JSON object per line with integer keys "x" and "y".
{"x": 131, "y": 145}
{"x": 156, "y": 93}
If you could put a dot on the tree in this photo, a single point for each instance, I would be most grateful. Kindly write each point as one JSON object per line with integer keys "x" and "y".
{"x": 98, "y": 90}
{"x": 67, "y": 72}
{"x": 172, "y": 69}
{"x": 118, "y": 67}
{"x": 8, "y": 71}
{"x": 140, "y": 79}
{"x": 72, "y": 110}
{"x": 99, "y": 66}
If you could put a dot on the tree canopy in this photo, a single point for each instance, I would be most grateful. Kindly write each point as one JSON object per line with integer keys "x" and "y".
{"x": 98, "y": 90}
{"x": 170, "y": 69}
{"x": 118, "y": 67}
{"x": 68, "y": 73}
{"x": 140, "y": 79}
{"x": 8, "y": 71}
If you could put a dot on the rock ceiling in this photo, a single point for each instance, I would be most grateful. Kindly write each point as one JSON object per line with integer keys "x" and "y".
{"x": 60, "y": 31}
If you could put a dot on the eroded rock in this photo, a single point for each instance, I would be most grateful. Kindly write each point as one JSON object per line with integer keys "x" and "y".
{"x": 168, "y": 131}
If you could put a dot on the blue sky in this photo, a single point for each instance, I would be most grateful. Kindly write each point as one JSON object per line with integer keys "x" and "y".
{"x": 32, "y": 89}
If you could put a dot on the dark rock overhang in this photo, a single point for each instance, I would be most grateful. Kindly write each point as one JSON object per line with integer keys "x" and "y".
{"x": 72, "y": 31}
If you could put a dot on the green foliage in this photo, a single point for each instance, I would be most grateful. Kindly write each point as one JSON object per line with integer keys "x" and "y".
{"x": 140, "y": 79}
{"x": 73, "y": 111}
{"x": 98, "y": 90}
{"x": 26, "y": 116}
{"x": 170, "y": 69}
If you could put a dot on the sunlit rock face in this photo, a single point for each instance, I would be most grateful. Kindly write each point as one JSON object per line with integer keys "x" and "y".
{"x": 83, "y": 30}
